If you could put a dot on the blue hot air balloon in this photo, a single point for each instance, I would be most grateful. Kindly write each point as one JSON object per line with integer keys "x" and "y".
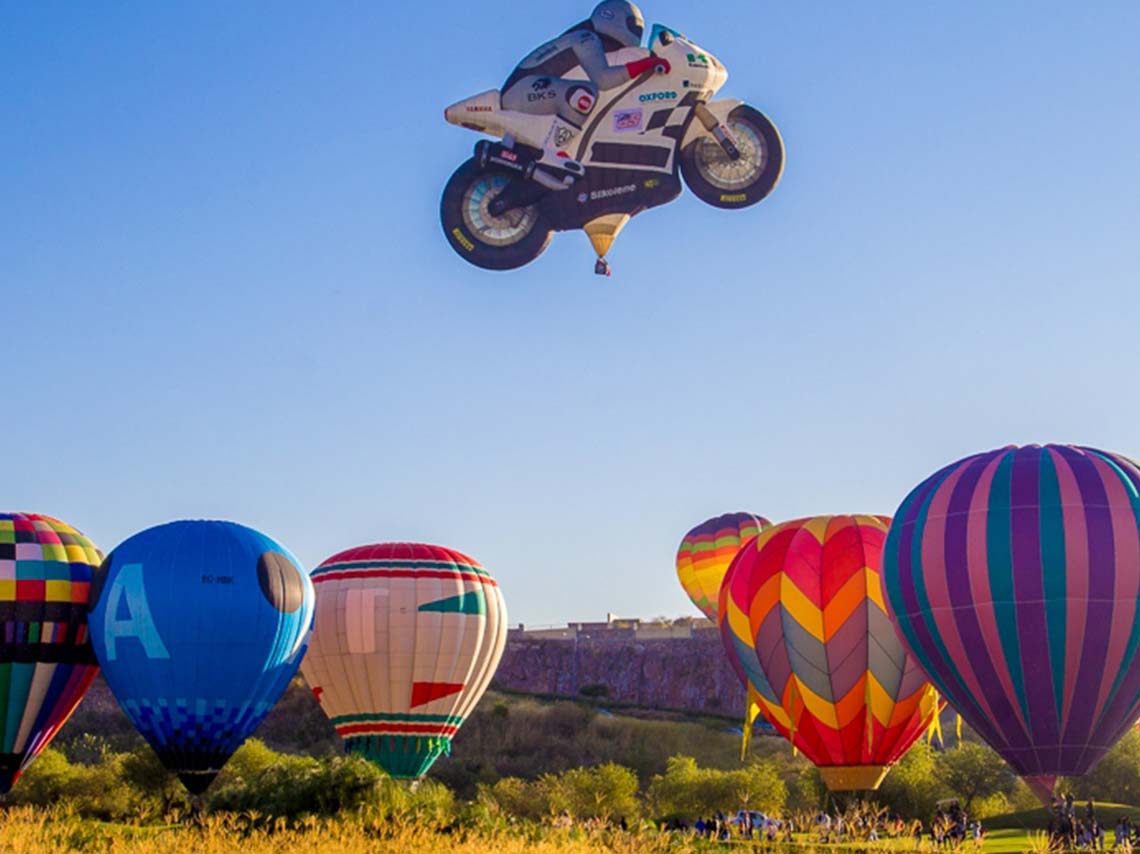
{"x": 199, "y": 626}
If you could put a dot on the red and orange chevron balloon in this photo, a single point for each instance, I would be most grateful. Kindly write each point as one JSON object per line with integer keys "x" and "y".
{"x": 850, "y": 698}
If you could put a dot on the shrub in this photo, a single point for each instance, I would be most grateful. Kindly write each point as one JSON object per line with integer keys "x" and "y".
{"x": 93, "y": 791}
{"x": 515, "y": 797}
{"x": 160, "y": 791}
{"x": 606, "y": 792}
{"x": 45, "y": 782}
{"x": 101, "y": 791}
{"x": 293, "y": 786}
{"x": 911, "y": 788}
{"x": 688, "y": 791}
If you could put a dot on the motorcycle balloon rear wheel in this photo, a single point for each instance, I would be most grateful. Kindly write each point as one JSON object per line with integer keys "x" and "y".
{"x": 480, "y": 238}
{"x": 718, "y": 180}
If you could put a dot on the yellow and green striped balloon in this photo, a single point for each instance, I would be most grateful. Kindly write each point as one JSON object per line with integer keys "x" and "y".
{"x": 708, "y": 549}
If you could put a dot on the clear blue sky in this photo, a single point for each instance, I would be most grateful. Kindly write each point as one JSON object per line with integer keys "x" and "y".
{"x": 226, "y": 293}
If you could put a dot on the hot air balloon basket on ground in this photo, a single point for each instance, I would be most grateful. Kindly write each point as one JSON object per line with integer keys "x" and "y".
{"x": 853, "y": 778}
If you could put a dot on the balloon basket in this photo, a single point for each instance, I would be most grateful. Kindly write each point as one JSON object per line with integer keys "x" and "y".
{"x": 853, "y": 778}
{"x": 602, "y": 231}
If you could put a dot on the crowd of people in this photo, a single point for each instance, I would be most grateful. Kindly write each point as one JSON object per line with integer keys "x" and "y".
{"x": 951, "y": 826}
{"x": 1070, "y": 829}
{"x": 859, "y": 822}
{"x": 744, "y": 825}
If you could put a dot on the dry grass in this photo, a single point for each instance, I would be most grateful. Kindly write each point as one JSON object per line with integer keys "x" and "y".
{"x": 29, "y": 831}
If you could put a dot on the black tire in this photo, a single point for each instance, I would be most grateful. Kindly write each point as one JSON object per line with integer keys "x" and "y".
{"x": 462, "y": 218}
{"x": 701, "y": 157}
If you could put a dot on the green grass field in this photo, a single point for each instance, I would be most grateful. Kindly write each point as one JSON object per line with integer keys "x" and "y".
{"x": 1038, "y": 819}
{"x": 1007, "y": 841}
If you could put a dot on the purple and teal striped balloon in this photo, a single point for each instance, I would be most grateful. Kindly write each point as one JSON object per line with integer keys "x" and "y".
{"x": 1014, "y": 578}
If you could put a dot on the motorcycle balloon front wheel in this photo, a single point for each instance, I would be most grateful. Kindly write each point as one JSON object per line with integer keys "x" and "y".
{"x": 718, "y": 180}
{"x": 503, "y": 242}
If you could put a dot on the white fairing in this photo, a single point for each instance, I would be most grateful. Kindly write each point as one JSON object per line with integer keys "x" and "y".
{"x": 643, "y": 111}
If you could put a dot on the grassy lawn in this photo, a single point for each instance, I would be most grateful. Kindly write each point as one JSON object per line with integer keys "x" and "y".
{"x": 1006, "y": 841}
{"x": 1038, "y": 819}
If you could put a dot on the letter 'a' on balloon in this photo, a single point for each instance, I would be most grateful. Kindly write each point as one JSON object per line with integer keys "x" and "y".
{"x": 199, "y": 626}
{"x": 1014, "y": 579}
{"x": 406, "y": 639}
{"x": 849, "y": 697}
{"x": 46, "y": 660}
{"x": 707, "y": 550}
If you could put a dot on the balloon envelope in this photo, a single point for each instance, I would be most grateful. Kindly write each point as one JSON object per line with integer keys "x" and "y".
{"x": 406, "y": 639}
{"x": 1014, "y": 577}
{"x": 199, "y": 627}
{"x": 736, "y": 636}
{"x": 847, "y": 694}
{"x": 46, "y": 660}
{"x": 707, "y": 550}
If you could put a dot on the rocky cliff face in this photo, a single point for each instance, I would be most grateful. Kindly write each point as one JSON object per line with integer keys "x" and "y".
{"x": 682, "y": 674}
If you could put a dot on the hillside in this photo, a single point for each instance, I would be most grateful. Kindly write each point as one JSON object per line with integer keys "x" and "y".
{"x": 508, "y": 735}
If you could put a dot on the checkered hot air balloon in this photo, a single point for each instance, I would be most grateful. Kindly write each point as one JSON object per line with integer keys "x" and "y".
{"x": 840, "y": 685}
{"x": 46, "y": 660}
{"x": 1014, "y": 578}
{"x": 707, "y": 550}
{"x": 406, "y": 639}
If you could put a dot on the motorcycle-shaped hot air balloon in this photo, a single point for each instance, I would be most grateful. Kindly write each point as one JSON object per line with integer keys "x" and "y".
{"x": 500, "y": 208}
{"x": 46, "y": 660}
{"x": 406, "y": 639}
{"x": 837, "y": 682}
{"x": 1014, "y": 579}
{"x": 706, "y": 552}
{"x": 199, "y": 626}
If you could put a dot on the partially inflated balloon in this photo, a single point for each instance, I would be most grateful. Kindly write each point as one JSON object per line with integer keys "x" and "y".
{"x": 46, "y": 661}
{"x": 199, "y": 627}
{"x": 707, "y": 550}
{"x": 1014, "y": 577}
{"x": 405, "y": 642}
{"x": 849, "y": 697}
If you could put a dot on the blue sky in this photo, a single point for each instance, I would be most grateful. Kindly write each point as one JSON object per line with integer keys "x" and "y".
{"x": 226, "y": 293}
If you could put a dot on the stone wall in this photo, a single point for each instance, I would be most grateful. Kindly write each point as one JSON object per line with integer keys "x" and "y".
{"x": 688, "y": 674}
